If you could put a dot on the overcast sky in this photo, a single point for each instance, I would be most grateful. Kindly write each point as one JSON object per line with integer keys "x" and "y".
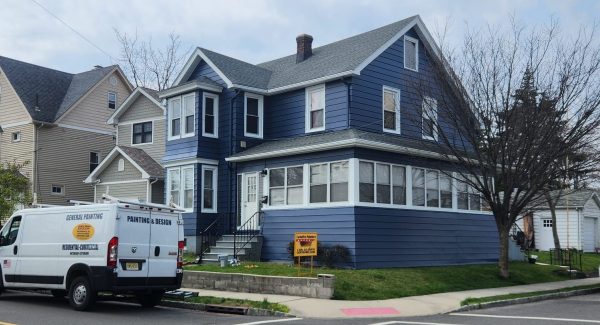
{"x": 250, "y": 30}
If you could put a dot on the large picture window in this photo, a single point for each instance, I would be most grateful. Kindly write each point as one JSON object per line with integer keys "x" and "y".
{"x": 315, "y": 108}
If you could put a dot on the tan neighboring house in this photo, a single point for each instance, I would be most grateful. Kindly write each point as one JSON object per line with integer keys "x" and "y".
{"x": 133, "y": 170}
{"x": 56, "y": 122}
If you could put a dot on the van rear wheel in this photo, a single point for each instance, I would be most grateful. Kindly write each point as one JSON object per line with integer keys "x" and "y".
{"x": 81, "y": 295}
{"x": 149, "y": 300}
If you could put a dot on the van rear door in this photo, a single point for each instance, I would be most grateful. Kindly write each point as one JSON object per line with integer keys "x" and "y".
{"x": 134, "y": 233}
{"x": 164, "y": 237}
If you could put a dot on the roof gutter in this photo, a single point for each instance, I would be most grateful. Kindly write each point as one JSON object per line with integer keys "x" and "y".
{"x": 303, "y": 84}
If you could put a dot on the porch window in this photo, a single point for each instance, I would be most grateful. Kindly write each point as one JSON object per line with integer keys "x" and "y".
{"x": 210, "y": 113}
{"x": 399, "y": 185}
{"x": 209, "y": 189}
{"x": 445, "y": 191}
{"x": 418, "y": 187}
{"x": 286, "y": 186}
{"x": 318, "y": 183}
{"x": 339, "y": 181}
{"x": 253, "y": 115}
{"x": 277, "y": 186}
{"x": 391, "y": 110}
{"x": 294, "y": 184}
{"x": 433, "y": 188}
{"x": 383, "y": 186}
{"x": 366, "y": 186}
{"x": 474, "y": 197}
{"x": 315, "y": 108}
{"x": 462, "y": 194}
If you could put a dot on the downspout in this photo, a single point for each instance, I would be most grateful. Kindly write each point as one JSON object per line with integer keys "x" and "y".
{"x": 348, "y": 90}
{"x": 149, "y": 198}
{"x": 36, "y": 178}
{"x": 231, "y": 165}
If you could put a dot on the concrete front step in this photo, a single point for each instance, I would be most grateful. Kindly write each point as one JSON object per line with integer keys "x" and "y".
{"x": 229, "y": 238}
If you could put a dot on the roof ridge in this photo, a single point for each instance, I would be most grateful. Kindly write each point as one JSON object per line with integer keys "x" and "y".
{"x": 232, "y": 58}
{"x": 36, "y": 65}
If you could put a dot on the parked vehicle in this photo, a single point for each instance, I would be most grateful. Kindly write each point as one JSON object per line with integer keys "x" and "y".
{"x": 78, "y": 251}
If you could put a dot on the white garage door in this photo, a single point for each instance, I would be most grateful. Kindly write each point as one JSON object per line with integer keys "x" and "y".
{"x": 544, "y": 240}
{"x": 589, "y": 234}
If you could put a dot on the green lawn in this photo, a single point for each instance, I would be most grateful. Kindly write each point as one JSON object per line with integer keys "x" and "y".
{"x": 375, "y": 284}
{"x": 208, "y": 300}
{"x": 475, "y": 301}
{"x": 590, "y": 261}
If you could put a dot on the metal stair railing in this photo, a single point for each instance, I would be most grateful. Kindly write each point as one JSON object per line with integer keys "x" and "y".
{"x": 209, "y": 237}
{"x": 246, "y": 232}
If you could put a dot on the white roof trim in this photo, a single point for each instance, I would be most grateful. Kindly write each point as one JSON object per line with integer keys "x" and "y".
{"x": 189, "y": 161}
{"x": 193, "y": 62}
{"x": 108, "y": 159}
{"x": 349, "y": 143}
{"x": 130, "y": 100}
{"x": 196, "y": 84}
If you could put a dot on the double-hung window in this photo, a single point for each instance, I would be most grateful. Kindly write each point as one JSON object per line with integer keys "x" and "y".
{"x": 189, "y": 115}
{"x": 210, "y": 115}
{"x": 253, "y": 115}
{"x": 411, "y": 53}
{"x": 94, "y": 160}
{"x": 468, "y": 198}
{"x": 391, "y": 110}
{"x": 430, "y": 119}
{"x": 112, "y": 100}
{"x": 315, "y": 108}
{"x": 338, "y": 178}
{"x": 174, "y": 118}
{"x": 141, "y": 133}
{"x": 180, "y": 186}
{"x": 418, "y": 187}
{"x": 329, "y": 182}
{"x": 382, "y": 183}
{"x": 209, "y": 189}
{"x": 286, "y": 186}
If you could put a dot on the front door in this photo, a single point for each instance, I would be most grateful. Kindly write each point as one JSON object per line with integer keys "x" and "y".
{"x": 9, "y": 251}
{"x": 249, "y": 199}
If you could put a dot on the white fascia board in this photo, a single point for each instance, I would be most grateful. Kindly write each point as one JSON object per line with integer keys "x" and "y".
{"x": 189, "y": 87}
{"x": 128, "y": 102}
{"x": 193, "y": 62}
{"x": 190, "y": 161}
{"x": 298, "y": 85}
{"x": 360, "y": 143}
{"x": 108, "y": 159}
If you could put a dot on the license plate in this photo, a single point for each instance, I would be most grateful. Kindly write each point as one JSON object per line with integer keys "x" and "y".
{"x": 132, "y": 266}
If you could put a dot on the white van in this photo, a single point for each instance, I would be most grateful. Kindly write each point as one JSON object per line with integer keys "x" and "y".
{"x": 78, "y": 251}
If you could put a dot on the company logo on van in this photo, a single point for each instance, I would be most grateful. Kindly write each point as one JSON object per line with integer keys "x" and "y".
{"x": 83, "y": 231}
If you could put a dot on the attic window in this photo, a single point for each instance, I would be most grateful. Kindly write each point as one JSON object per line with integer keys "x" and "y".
{"x": 121, "y": 165}
{"x": 411, "y": 53}
{"x": 112, "y": 100}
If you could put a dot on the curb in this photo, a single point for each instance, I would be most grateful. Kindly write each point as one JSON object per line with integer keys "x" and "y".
{"x": 202, "y": 307}
{"x": 525, "y": 300}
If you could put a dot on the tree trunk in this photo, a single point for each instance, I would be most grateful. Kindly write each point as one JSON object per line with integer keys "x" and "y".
{"x": 552, "y": 206}
{"x": 503, "y": 261}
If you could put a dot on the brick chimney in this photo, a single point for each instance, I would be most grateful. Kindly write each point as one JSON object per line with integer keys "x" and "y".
{"x": 303, "y": 47}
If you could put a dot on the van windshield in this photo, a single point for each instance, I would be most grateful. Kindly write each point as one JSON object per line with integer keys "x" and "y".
{"x": 10, "y": 231}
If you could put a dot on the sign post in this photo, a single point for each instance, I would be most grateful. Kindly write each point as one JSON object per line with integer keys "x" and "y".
{"x": 305, "y": 244}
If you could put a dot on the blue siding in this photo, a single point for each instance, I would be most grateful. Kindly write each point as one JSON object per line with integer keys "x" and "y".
{"x": 204, "y": 70}
{"x": 402, "y": 238}
{"x": 334, "y": 225}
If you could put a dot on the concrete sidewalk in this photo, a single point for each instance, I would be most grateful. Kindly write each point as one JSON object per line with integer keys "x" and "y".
{"x": 409, "y": 306}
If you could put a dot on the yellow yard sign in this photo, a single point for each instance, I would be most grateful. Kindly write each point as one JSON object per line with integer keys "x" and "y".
{"x": 305, "y": 244}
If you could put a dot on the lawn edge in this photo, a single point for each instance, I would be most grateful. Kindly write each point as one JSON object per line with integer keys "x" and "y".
{"x": 525, "y": 300}
{"x": 202, "y": 307}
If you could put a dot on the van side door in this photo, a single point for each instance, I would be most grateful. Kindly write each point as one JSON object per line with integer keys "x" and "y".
{"x": 9, "y": 251}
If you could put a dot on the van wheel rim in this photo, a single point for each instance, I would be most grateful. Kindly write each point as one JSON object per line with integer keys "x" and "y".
{"x": 79, "y": 294}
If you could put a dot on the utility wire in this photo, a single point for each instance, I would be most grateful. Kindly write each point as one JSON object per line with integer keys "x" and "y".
{"x": 75, "y": 31}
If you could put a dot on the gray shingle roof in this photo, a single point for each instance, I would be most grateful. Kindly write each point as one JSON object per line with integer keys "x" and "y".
{"x": 331, "y": 59}
{"x": 144, "y": 160}
{"x": 48, "y": 93}
{"x": 152, "y": 93}
{"x": 569, "y": 197}
{"x": 301, "y": 142}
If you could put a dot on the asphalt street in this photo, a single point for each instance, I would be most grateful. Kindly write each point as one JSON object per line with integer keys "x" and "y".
{"x": 25, "y": 308}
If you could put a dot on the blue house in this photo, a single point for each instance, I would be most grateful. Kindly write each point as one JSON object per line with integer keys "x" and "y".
{"x": 332, "y": 139}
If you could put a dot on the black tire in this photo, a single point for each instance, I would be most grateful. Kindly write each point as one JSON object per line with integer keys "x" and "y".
{"x": 149, "y": 300}
{"x": 81, "y": 295}
{"x": 1, "y": 283}
{"x": 59, "y": 294}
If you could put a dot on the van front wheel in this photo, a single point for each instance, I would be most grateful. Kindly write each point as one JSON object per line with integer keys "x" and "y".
{"x": 149, "y": 300}
{"x": 81, "y": 295}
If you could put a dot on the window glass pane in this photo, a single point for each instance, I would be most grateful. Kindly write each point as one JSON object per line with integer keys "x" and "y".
{"x": 209, "y": 187}
{"x": 339, "y": 181}
{"x": 316, "y": 119}
{"x": 366, "y": 182}
{"x": 209, "y": 106}
{"x": 188, "y": 187}
{"x": 399, "y": 185}
{"x": 295, "y": 176}
{"x": 318, "y": 183}
{"x": 276, "y": 196}
{"x": 389, "y": 120}
{"x": 316, "y": 100}
{"x": 209, "y": 124}
{"x": 445, "y": 191}
{"x": 474, "y": 198}
{"x": 410, "y": 54}
{"x": 147, "y": 127}
{"x": 276, "y": 177}
{"x": 461, "y": 193}
{"x": 418, "y": 186}
{"x": 175, "y": 127}
{"x": 295, "y": 195}
{"x": 383, "y": 183}
{"x": 174, "y": 186}
{"x": 252, "y": 106}
{"x": 433, "y": 189}
{"x": 252, "y": 124}
{"x": 137, "y": 128}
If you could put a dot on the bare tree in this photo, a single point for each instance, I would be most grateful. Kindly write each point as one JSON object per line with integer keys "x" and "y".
{"x": 488, "y": 124}
{"x": 147, "y": 65}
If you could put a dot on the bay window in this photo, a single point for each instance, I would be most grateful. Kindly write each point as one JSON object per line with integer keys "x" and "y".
{"x": 180, "y": 186}
{"x": 189, "y": 111}
{"x": 286, "y": 186}
{"x": 181, "y": 116}
{"x": 209, "y": 189}
{"x": 210, "y": 115}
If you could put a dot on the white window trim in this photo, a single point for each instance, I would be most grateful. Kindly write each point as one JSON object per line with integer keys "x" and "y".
{"x": 169, "y": 119}
{"x": 181, "y": 187}
{"x": 62, "y": 187}
{"x": 261, "y": 115}
{"x": 424, "y": 116}
{"x": 12, "y": 137}
{"x": 108, "y": 100}
{"x": 184, "y": 117}
{"x": 215, "y": 170}
{"x": 143, "y": 143}
{"x": 396, "y": 92}
{"x": 215, "y": 112}
{"x": 308, "y": 108}
{"x": 416, "y": 41}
